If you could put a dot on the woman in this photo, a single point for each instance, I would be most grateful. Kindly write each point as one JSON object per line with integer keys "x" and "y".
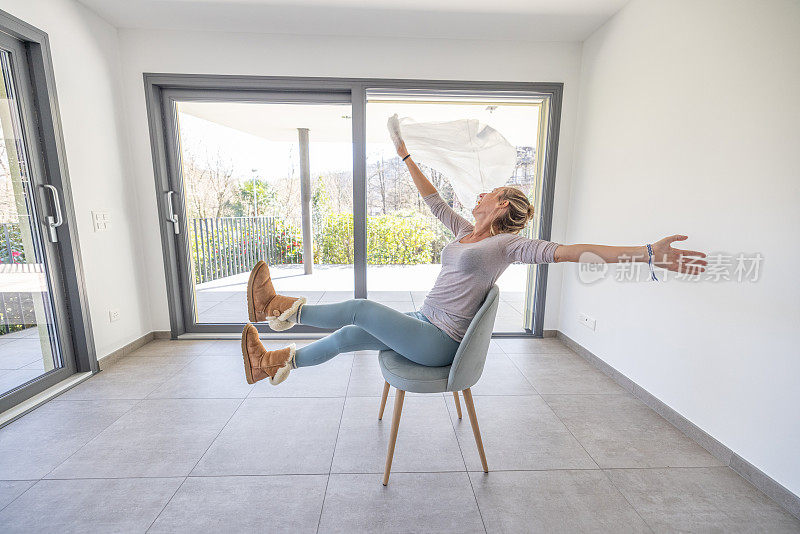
{"x": 471, "y": 264}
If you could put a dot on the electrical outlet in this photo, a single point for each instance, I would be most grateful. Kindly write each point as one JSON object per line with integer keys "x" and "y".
{"x": 113, "y": 315}
{"x": 100, "y": 220}
{"x": 587, "y": 321}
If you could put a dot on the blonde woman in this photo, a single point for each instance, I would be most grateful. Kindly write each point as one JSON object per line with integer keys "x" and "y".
{"x": 471, "y": 264}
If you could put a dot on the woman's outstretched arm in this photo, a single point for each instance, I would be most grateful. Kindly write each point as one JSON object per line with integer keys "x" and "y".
{"x": 672, "y": 259}
{"x": 424, "y": 185}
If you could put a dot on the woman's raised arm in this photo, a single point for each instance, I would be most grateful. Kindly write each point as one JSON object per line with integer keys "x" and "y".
{"x": 424, "y": 185}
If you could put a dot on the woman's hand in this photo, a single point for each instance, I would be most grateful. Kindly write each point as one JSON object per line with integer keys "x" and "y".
{"x": 393, "y": 124}
{"x": 401, "y": 149}
{"x": 678, "y": 260}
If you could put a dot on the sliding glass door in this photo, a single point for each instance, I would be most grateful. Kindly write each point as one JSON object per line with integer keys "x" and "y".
{"x": 301, "y": 173}
{"x": 35, "y": 342}
{"x": 266, "y": 177}
{"x": 400, "y": 276}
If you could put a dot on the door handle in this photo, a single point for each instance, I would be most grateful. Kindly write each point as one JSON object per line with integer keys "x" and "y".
{"x": 58, "y": 220}
{"x": 173, "y": 218}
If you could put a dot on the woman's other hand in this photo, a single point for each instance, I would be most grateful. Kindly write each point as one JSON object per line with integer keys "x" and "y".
{"x": 678, "y": 260}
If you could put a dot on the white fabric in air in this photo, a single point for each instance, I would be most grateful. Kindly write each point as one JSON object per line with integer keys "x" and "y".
{"x": 473, "y": 156}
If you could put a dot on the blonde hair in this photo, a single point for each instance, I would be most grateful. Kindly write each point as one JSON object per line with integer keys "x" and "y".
{"x": 519, "y": 212}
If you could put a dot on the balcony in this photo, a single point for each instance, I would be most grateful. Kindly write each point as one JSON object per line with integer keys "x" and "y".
{"x": 402, "y": 287}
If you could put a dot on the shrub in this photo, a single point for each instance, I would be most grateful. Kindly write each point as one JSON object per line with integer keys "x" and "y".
{"x": 12, "y": 249}
{"x": 391, "y": 239}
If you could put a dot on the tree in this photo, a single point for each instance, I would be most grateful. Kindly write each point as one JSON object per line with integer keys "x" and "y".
{"x": 210, "y": 185}
{"x": 265, "y": 198}
{"x": 378, "y": 182}
{"x": 525, "y": 169}
{"x": 8, "y": 204}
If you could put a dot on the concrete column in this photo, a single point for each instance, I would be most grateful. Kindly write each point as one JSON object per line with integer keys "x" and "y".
{"x": 305, "y": 201}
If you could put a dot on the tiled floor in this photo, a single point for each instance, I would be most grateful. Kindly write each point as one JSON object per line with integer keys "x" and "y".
{"x": 172, "y": 439}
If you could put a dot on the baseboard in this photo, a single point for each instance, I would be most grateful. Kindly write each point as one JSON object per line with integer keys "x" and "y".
{"x": 121, "y": 352}
{"x": 772, "y": 488}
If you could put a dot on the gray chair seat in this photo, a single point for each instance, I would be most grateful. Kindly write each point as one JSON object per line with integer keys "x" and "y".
{"x": 404, "y": 374}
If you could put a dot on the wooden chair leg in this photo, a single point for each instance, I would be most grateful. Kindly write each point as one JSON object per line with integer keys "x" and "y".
{"x": 458, "y": 404}
{"x": 383, "y": 399}
{"x": 398, "y": 409}
{"x": 473, "y": 419}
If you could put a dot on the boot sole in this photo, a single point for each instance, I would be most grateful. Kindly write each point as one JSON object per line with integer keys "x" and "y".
{"x": 251, "y": 305}
{"x": 248, "y": 371}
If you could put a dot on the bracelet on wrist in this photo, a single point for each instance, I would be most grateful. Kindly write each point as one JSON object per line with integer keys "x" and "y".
{"x": 650, "y": 263}
{"x": 407, "y": 156}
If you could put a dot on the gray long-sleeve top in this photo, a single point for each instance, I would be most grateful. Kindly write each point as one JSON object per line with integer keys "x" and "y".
{"x": 470, "y": 269}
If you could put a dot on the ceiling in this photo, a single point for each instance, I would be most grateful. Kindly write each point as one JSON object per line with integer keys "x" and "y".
{"x": 523, "y": 20}
{"x": 332, "y": 123}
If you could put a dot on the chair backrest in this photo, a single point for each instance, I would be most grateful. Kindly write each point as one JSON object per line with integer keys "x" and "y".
{"x": 470, "y": 357}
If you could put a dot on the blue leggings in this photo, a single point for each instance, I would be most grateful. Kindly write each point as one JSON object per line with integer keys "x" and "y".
{"x": 368, "y": 325}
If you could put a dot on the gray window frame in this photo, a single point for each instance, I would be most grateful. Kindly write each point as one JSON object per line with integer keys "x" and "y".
{"x": 44, "y": 137}
{"x": 160, "y": 87}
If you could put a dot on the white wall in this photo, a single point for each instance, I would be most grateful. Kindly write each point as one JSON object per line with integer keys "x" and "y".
{"x": 254, "y": 54}
{"x": 688, "y": 123}
{"x": 85, "y": 52}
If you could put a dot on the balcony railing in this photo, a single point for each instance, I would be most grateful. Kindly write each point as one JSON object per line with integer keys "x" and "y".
{"x": 227, "y": 246}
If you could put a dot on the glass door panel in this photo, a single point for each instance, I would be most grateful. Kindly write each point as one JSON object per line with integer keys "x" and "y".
{"x": 28, "y": 336}
{"x": 404, "y": 239}
{"x": 265, "y": 181}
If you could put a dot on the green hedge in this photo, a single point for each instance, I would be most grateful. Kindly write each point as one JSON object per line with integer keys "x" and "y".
{"x": 227, "y": 246}
{"x": 391, "y": 239}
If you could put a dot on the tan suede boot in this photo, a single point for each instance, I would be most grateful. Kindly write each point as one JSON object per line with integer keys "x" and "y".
{"x": 264, "y": 303}
{"x": 260, "y": 363}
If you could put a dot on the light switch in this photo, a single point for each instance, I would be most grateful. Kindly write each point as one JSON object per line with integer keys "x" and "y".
{"x": 100, "y": 220}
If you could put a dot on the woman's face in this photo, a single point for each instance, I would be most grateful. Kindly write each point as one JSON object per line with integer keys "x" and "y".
{"x": 489, "y": 204}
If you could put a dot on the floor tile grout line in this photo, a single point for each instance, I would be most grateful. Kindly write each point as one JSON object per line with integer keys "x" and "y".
{"x": 324, "y": 473}
{"x": 335, "y": 442}
{"x": 627, "y": 501}
{"x": 153, "y": 522}
{"x": 557, "y": 416}
{"x": 478, "y": 471}
{"x": 349, "y": 376}
{"x": 210, "y": 443}
{"x": 21, "y": 494}
{"x": 123, "y": 414}
{"x": 524, "y": 376}
{"x": 147, "y": 395}
{"x": 570, "y": 433}
{"x": 466, "y": 469}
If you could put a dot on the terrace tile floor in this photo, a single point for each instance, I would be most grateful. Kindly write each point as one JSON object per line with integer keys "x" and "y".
{"x": 20, "y": 358}
{"x": 172, "y": 439}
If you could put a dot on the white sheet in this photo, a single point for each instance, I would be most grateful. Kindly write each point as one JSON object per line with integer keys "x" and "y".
{"x": 474, "y": 157}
